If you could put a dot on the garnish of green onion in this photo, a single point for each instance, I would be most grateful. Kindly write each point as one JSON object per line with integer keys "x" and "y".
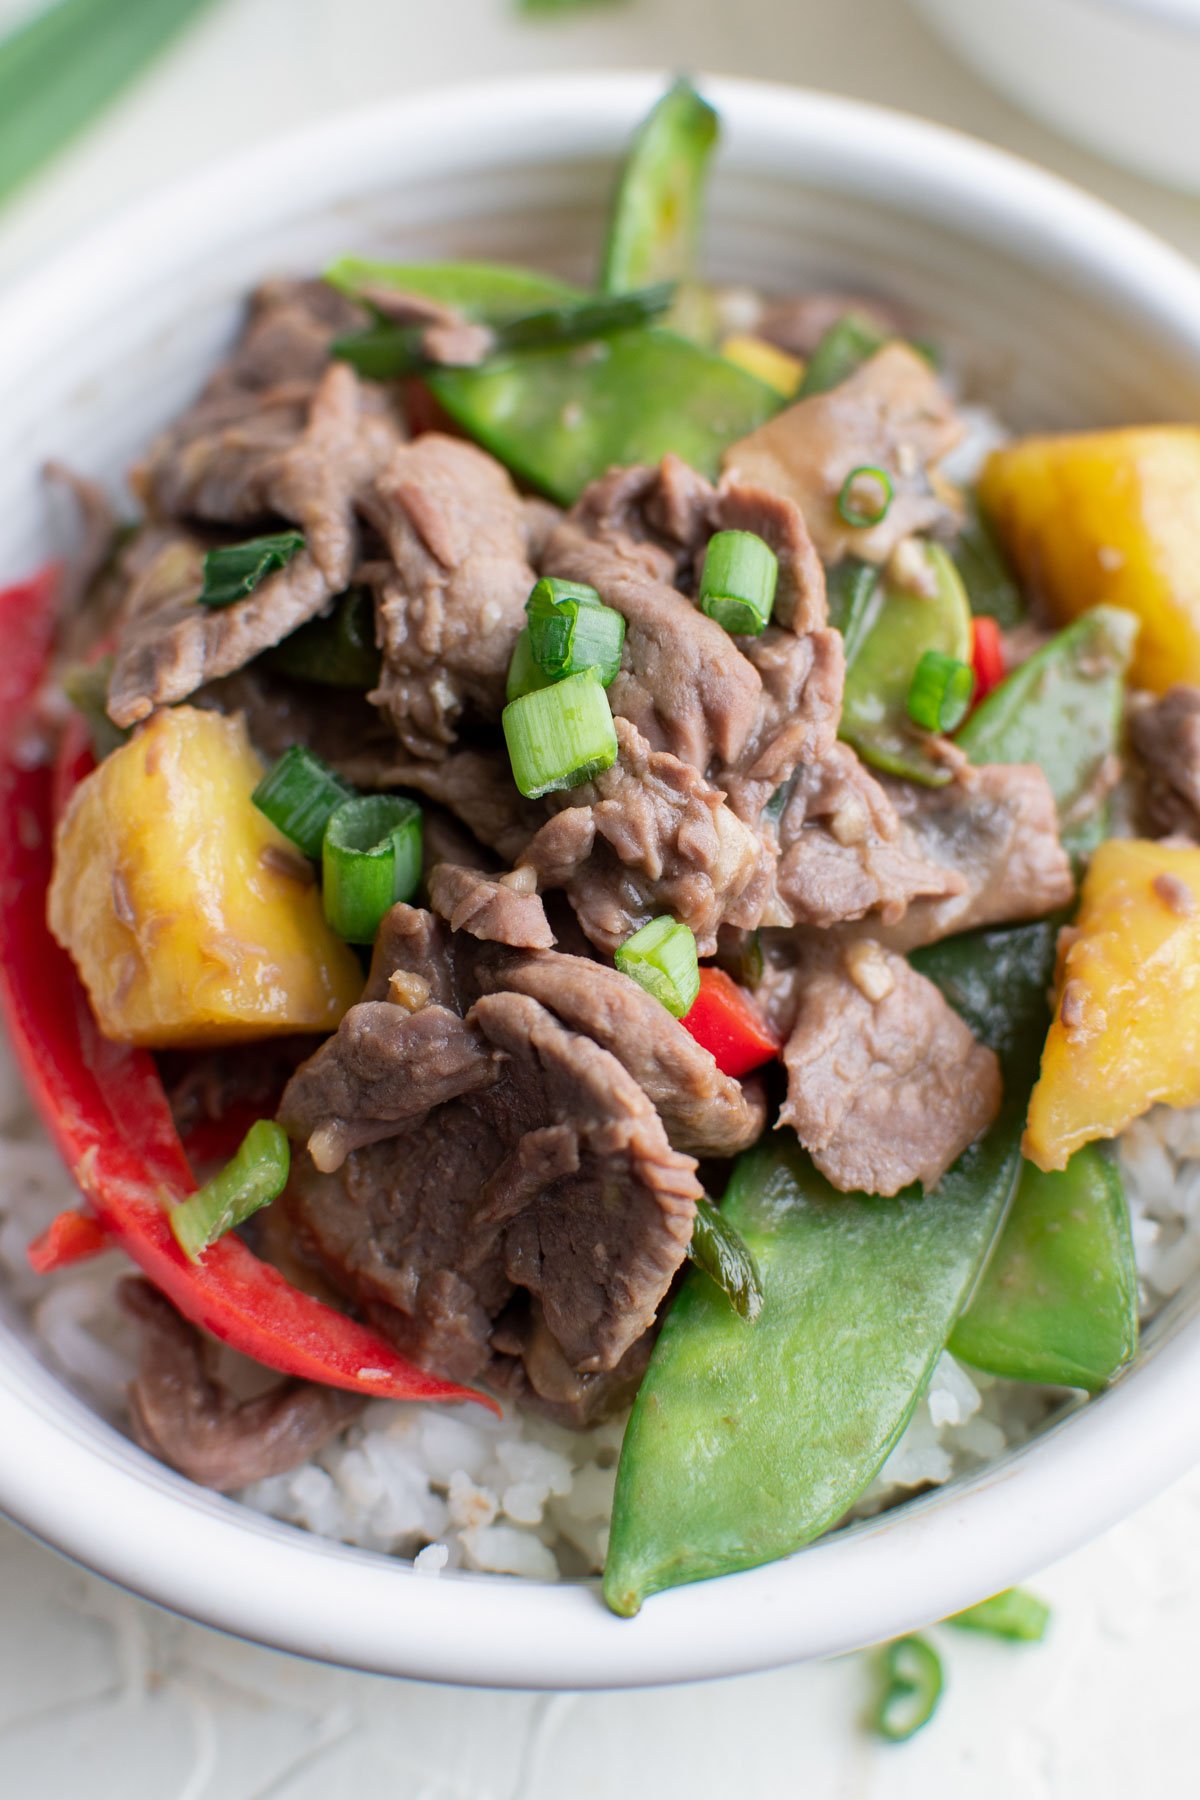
{"x": 848, "y": 343}
{"x": 662, "y": 958}
{"x": 234, "y": 570}
{"x": 571, "y": 629}
{"x": 719, "y": 1252}
{"x": 254, "y": 1176}
{"x": 524, "y": 676}
{"x": 300, "y": 795}
{"x": 737, "y": 587}
{"x": 371, "y": 857}
{"x": 939, "y": 697}
{"x": 865, "y": 497}
{"x": 1015, "y": 1614}
{"x": 560, "y": 736}
{"x": 912, "y": 1687}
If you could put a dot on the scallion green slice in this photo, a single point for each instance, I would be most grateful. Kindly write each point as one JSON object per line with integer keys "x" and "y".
{"x": 866, "y": 496}
{"x": 720, "y": 1252}
{"x": 234, "y": 570}
{"x": 560, "y": 736}
{"x": 300, "y": 795}
{"x": 737, "y": 587}
{"x": 336, "y": 651}
{"x": 662, "y": 958}
{"x": 1016, "y": 1614}
{"x": 912, "y": 1687}
{"x": 371, "y": 857}
{"x": 254, "y": 1176}
{"x": 845, "y": 346}
{"x": 941, "y": 691}
{"x": 571, "y": 629}
{"x": 524, "y": 676}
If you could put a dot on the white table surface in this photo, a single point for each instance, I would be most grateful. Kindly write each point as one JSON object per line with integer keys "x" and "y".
{"x": 100, "y": 1694}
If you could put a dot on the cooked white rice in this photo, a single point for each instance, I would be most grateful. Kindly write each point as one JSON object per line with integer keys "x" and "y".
{"x": 461, "y": 1489}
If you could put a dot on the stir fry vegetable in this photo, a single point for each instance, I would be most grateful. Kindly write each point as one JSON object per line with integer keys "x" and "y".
{"x": 370, "y": 858}
{"x": 658, "y": 208}
{"x": 571, "y": 630}
{"x": 234, "y": 570}
{"x": 844, "y": 347}
{"x": 911, "y": 1689}
{"x": 738, "y": 581}
{"x": 725, "y": 1021}
{"x": 718, "y": 1251}
{"x": 1015, "y": 1614}
{"x": 661, "y": 957}
{"x": 252, "y": 1178}
{"x": 560, "y": 736}
{"x": 299, "y": 796}
{"x": 337, "y": 651}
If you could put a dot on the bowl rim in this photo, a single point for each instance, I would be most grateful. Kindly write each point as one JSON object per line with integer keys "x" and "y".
{"x": 77, "y": 1484}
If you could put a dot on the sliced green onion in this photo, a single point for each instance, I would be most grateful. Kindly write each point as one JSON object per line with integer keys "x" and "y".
{"x": 912, "y": 1687}
{"x": 737, "y": 587}
{"x": 524, "y": 676}
{"x": 754, "y": 965}
{"x": 939, "y": 697}
{"x": 719, "y": 1252}
{"x": 300, "y": 795}
{"x": 371, "y": 857}
{"x": 86, "y": 687}
{"x": 855, "y": 507}
{"x": 571, "y": 629}
{"x": 234, "y": 570}
{"x": 662, "y": 958}
{"x": 560, "y": 736}
{"x": 254, "y": 1176}
{"x": 844, "y": 347}
{"x": 339, "y": 651}
{"x": 1015, "y": 1614}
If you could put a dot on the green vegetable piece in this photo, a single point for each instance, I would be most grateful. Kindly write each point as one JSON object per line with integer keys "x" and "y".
{"x": 370, "y": 858}
{"x": 571, "y": 629}
{"x": 1058, "y": 1299}
{"x": 845, "y": 347}
{"x": 658, "y": 207}
{"x": 990, "y": 584}
{"x": 718, "y": 1252}
{"x": 661, "y": 957}
{"x": 854, "y": 593}
{"x": 524, "y": 676}
{"x": 865, "y": 497}
{"x": 1063, "y": 710}
{"x": 560, "y": 736}
{"x": 940, "y": 696}
{"x": 738, "y": 581}
{"x": 234, "y": 570}
{"x": 86, "y": 687}
{"x": 300, "y": 794}
{"x": 480, "y": 290}
{"x": 254, "y": 1176}
{"x": 338, "y": 651}
{"x": 903, "y": 627}
{"x": 911, "y": 1687}
{"x": 1015, "y": 1614}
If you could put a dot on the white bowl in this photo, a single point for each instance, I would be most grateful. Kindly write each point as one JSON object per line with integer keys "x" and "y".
{"x": 1120, "y": 76}
{"x": 1079, "y": 318}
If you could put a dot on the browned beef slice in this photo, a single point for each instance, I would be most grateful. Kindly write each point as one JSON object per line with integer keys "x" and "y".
{"x": 383, "y": 1066}
{"x": 450, "y": 611}
{"x": 1165, "y": 735}
{"x": 287, "y": 336}
{"x": 657, "y": 517}
{"x": 475, "y": 785}
{"x": 798, "y": 324}
{"x": 842, "y": 851}
{"x": 886, "y": 1084}
{"x": 802, "y": 680}
{"x": 502, "y": 909}
{"x": 417, "y": 943}
{"x": 997, "y": 829}
{"x": 530, "y": 1368}
{"x": 557, "y": 1180}
{"x": 800, "y": 604}
{"x": 647, "y": 836}
{"x": 180, "y": 1414}
{"x": 891, "y": 414}
{"x": 705, "y": 1112}
{"x": 337, "y": 723}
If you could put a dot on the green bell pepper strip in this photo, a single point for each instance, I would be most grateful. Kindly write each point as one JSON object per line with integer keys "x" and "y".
{"x": 986, "y": 575}
{"x": 901, "y": 629}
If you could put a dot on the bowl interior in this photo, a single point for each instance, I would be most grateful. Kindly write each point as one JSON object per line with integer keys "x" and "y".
{"x": 1061, "y": 315}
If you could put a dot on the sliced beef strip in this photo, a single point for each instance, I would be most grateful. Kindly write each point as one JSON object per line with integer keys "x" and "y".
{"x": 557, "y": 1181}
{"x": 892, "y": 414}
{"x": 800, "y": 710}
{"x": 647, "y": 836}
{"x": 183, "y": 1416}
{"x": 335, "y": 722}
{"x": 705, "y": 1112}
{"x": 996, "y": 828}
{"x": 503, "y": 909}
{"x": 287, "y": 336}
{"x": 1165, "y": 735}
{"x": 531, "y": 1370}
{"x": 450, "y": 610}
{"x": 798, "y": 324}
{"x": 476, "y": 785}
{"x": 886, "y": 1084}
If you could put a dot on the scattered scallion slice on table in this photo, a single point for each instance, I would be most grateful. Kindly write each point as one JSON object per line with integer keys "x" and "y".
{"x": 233, "y": 571}
{"x": 737, "y": 587}
{"x": 300, "y": 795}
{"x": 661, "y": 958}
{"x": 939, "y": 698}
{"x": 912, "y": 1686}
{"x": 254, "y": 1176}
{"x": 571, "y": 629}
{"x": 1015, "y": 1614}
{"x": 865, "y": 497}
{"x": 370, "y": 858}
{"x": 721, "y": 1254}
{"x": 560, "y": 736}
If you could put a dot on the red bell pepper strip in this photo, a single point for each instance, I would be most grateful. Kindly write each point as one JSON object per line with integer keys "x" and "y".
{"x": 104, "y": 1103}
{"x": 987, "y": 656}
{"x": 70, "y": 1238}
{"x": 725, "y": 1022}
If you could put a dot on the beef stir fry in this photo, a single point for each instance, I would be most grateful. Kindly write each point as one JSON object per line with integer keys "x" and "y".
{"x": 551, "y": 761}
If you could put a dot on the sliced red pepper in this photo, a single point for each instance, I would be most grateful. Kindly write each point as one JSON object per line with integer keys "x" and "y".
{"x": 104, "y": 1103}
{"x": 70, "y": 1238}
{"x": 987, "y": 655}
{"x": 728, "y": 1025}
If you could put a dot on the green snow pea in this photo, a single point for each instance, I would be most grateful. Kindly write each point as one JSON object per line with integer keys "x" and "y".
{"x": 898, "y": 632}
{"x": 853, "y": 592}
{"x": 480, "y": 290}
{"x": 1063, "y": 710}
{"x": 984, "y": 569}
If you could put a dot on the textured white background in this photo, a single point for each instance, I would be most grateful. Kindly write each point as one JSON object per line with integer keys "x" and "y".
{"x": 102, "y": 1696}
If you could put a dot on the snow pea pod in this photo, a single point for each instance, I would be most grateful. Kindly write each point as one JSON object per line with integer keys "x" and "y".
{"x": 984, "y": 569}
{"x": 902, "y": 627}
{"x": 492, "y": 290}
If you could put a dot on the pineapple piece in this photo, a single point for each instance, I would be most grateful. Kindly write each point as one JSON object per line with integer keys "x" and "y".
{"x": 777, "y": 368}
